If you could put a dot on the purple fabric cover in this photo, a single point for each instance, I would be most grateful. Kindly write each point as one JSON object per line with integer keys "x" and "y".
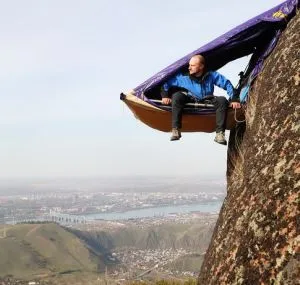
{"x": 234, "y": 44}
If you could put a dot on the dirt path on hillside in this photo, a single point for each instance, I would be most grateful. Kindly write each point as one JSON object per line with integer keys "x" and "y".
{"x": 34, "y": 229}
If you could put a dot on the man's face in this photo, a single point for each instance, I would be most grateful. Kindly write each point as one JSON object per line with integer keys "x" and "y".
{"x": 196, "y": 67}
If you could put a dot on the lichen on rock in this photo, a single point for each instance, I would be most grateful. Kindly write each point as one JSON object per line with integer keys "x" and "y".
{"x": 257, "y": 236}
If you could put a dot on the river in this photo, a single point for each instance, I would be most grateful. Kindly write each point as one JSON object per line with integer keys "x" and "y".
{"x": 211, "y": 207}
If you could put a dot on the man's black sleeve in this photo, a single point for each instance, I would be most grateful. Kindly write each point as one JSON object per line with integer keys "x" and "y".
{"x": 236, "y": 96}
{"x": 164, "y": 93}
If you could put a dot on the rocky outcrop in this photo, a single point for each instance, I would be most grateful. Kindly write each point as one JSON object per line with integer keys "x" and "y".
{"x": 257, "y": 236}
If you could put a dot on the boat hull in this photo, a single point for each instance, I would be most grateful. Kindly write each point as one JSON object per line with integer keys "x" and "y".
{"x": 159, "y": 119}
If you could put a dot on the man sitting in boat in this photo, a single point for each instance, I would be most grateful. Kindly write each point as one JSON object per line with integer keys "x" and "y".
{"x": 196, "y": 86}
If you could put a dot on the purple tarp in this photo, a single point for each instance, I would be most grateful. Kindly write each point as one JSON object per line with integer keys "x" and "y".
{"x": 238, "y": 42}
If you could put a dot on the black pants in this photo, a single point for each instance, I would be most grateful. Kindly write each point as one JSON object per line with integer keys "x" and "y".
{"x": 179, "y": 99}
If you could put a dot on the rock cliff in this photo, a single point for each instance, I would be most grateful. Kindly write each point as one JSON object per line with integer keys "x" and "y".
{"x": 257, "y": 236}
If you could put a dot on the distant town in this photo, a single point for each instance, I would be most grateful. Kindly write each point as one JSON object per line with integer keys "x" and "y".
{"x": 80, "y": 204}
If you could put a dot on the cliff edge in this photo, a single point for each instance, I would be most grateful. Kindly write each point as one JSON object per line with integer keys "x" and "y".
{"x": 257, "y": 236}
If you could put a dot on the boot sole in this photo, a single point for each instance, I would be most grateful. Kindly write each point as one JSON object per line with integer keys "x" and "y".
{"x": 174, "y": 138}
{"x": 223, "y": 142}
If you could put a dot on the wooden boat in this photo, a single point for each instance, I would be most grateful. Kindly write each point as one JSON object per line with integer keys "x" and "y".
{"x": 199, "y": 117}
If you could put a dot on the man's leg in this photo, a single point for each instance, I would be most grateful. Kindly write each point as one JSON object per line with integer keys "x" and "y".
{"x": 221, "y": 106}
{"x": 179, "y": 99}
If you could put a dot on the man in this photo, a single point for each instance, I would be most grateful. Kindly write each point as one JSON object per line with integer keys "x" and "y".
{"x": 194, "y": 87}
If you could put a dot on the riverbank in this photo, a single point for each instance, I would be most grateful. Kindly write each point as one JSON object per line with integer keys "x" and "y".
{"x": 208, "y": 207}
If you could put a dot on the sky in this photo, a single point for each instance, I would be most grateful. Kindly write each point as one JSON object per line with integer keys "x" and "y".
{"x": 63, "y": 65}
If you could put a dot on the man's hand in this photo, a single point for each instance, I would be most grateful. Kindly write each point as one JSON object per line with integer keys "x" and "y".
{"x": 166, "y": 101}
{"x": 235, "y": 105}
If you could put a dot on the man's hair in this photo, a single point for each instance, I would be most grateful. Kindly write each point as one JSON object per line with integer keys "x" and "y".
{"x": 200, "y": 57}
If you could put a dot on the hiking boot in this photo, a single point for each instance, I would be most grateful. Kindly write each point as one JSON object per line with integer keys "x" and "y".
{"x": 220, "y": 138}
{"x": 176, "y": 134}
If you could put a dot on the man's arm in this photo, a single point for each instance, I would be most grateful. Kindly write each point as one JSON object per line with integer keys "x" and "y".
{"x": 222, "y": 82}
{"x": 164, "y": 94}
{"x": 166, "y": 100}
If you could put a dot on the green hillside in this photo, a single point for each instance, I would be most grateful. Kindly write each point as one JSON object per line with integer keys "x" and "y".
{"x": 194, "y": 237}
{"x": 190, "y": 262}
{"x": 29, "y": 250}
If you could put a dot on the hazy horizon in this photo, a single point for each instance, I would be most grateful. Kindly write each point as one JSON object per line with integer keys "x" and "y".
{"x": 129, "y": 184}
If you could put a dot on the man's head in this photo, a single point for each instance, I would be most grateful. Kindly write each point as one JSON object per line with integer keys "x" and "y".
{"x": 196, "y": 65}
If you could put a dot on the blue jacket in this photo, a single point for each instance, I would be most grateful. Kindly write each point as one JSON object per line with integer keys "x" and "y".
{"x": 199, "y": 87}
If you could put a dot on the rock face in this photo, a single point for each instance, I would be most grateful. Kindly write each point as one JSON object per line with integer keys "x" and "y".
{"x": 257, "y": 236}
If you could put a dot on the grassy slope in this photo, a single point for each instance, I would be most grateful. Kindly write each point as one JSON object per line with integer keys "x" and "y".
{"x": 193, "y": 237}
{"x": 191, "y": 262}
{"x": 37, "y": 249}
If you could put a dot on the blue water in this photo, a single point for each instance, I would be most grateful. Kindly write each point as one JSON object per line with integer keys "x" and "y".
{"x": 211, "y": 207}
